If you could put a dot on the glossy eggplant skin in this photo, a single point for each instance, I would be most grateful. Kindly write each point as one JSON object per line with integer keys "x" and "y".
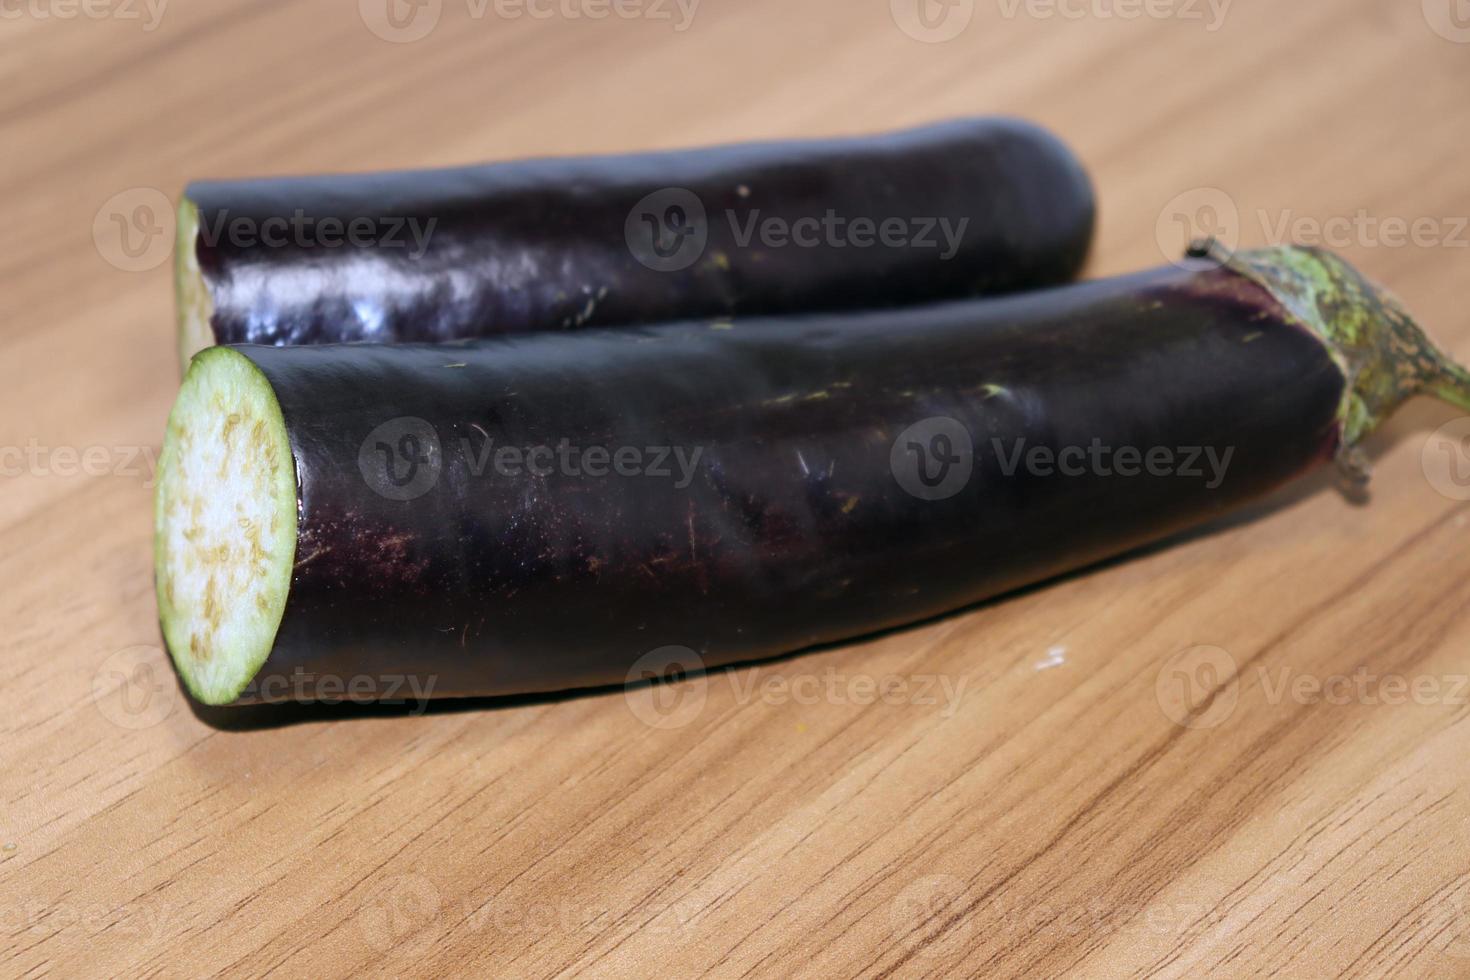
{"x": 543, "y": 245}
{"x": 794, "y": 527}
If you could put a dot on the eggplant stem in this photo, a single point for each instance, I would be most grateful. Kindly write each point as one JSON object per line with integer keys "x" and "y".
{"x": 1384, "y": 355}
{"x": 1450, "y": 383}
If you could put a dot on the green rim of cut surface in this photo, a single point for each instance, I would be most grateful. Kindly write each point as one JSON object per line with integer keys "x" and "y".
{"x": 192, "y": 300}
{"x": 224, "y": 525}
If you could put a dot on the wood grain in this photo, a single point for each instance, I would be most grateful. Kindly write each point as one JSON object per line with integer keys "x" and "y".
{"x": 1048, "y": 815}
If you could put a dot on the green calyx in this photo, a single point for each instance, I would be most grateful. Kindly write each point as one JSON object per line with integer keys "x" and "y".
{"x": 1383, "y": 353}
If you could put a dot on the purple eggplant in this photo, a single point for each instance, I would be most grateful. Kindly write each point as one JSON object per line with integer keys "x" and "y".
{"x": 964, "y": 208}
{"x": 534, "y": 513}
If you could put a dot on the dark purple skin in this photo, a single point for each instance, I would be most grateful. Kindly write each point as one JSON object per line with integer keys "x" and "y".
{"x": 795, "y": 530}
{"x": 540, "y": 245}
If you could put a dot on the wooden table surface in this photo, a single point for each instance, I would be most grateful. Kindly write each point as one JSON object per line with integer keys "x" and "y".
{"x": 1242, "y": 753}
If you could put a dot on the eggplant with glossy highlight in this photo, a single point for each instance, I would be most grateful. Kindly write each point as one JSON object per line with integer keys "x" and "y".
{"x": 964, "y": 208}
{"x": 536, "y": 513}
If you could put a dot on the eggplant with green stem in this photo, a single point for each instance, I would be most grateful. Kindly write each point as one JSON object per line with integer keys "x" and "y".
{"x": 536, "y": 513}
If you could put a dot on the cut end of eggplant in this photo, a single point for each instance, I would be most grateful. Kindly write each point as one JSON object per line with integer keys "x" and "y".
{"x": 191, "y": 292}
{"x": 225, "y": 525}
